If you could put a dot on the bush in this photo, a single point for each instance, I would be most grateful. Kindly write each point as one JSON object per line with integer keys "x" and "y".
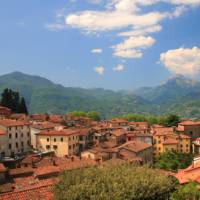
{"x": 114, "y": 182}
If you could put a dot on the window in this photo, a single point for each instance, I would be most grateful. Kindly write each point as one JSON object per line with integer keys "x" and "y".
{"x": 74, "y": 146}
{"x": 28, "y": 143}
{"x": 55, "y": 147}
{"x": 73, "y": 137}
{"x": 61, "y": 139}
{"x": 181, "y": 145}
{"x": 22, "y": 144}
{"x": 10, "y": 128}
{"x": 10, "y": 146}
{"x": 10, "y": 135}
{"x": 47, "y": 139}
{"x": 16, "y": 135}
{"x": 28, "y": 134}
{"x": 22, "y": 135}
{"x": 54, "y": 139}
{"x": 16, "y": 145}
{"x": 187, "y": 145}
{"x": 70, "y": 147}
{"x": 69, "y": 138}
{"x": 47, "y": 147}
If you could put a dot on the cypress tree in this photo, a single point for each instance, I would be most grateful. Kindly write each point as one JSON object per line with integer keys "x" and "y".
{"x": 23, "y": 108}
{"x": 12, "y": 100}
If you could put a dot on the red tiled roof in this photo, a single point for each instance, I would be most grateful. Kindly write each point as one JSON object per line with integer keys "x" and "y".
{"x": 139, "y": 123}
{"x": 9, "y": 122}
{"x": 188, "y": 174}
{"x": 163, "y": 131}
{"x": 135, "y": 146}
{"x": 64, "y": 132}
{"x": 2, "y": 132}
{"x": 182, "y": 136}
{"x": 20, "y": 171}
{"x": 170, "y": 141}
{"x": 118, "y": 120}
{"x": 43, "y": 125}
{"x": 39, "y": 117}
{"x": 190, "y": 123}
{"x": 118, "y": 132}
{"x": 38, "y": 193}
{"x": 5, "y": 109}
{"x": 41, "y": 171}
{"x": 55, "y": 118}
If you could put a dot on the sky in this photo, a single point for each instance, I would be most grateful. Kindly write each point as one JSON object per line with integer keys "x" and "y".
{"x": 112, "y": 44}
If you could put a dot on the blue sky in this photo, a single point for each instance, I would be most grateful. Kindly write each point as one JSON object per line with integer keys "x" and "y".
{"x": 115, "y": 44}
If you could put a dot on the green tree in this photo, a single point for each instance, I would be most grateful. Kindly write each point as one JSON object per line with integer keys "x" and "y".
{"x": 173, "y": 161}
{"x": 187, "y": 192}
{"x": 118, "y": 182}
{"x": 93, "y": 115}
{"x": 12, "y": 100}
{"x": 22, "y": 106}
{"x": 171, "y": 120}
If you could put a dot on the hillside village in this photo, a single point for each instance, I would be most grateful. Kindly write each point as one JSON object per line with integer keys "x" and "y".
{"x": 35, "y": 149}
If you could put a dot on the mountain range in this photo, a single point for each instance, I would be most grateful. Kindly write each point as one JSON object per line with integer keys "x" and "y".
{"x": 177, "y": 95}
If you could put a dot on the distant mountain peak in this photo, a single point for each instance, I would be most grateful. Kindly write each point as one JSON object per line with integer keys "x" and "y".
{"x": 180, "y": 80}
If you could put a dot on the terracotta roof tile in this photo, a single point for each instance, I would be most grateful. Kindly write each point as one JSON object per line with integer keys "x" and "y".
{"x": 135, "y": 146}
{"x": 39, "y": 193}
{"x": 2, "y": 132}
{"x": 190, "y": 123}
{"x": 9, "y": 122}
{"x": 170, "y": 141}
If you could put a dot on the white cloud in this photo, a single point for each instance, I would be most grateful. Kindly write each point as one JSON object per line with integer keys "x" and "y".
{"x": 119, "y": 68}
{"x": 182, "y": 61}
{"x": 98, "y": 51}
{"x": 132, "y": 47}
{"x": 124, "y": 13}
{"x": 127, "y": 18}
{"x": 142, "y": 31}
{"x": 128, "y": 15}
{"x": 112, "y": 20}
{"x": 100, "y": 70}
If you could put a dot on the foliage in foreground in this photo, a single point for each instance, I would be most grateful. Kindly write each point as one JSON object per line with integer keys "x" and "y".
{"x": 188, "y": 191}
{"x": 173, "y": 161}
{"x": 119, "y": 182}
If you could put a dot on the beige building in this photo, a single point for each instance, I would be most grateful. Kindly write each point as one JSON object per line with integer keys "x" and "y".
{"x": 38, "y": 127}
{"x": 165, "y": 139}
{"x": 14, "y": 138}
{"x": 65, "y": 142}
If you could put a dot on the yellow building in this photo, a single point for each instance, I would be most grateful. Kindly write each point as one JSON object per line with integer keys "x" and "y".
{"x": 65, "y": 142}
{"x": 15, "y": 137}
{"x": 170, "y": 141}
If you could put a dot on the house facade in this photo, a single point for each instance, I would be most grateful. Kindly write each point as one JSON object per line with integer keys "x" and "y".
{"x": 16, "y": 138}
